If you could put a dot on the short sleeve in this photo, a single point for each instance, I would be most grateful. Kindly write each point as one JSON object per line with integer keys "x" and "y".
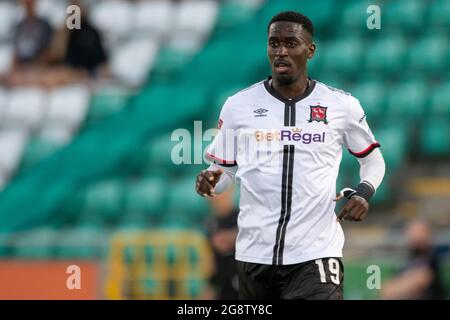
{"x": 358, "y": 137}
{"x": 223, "y": 148}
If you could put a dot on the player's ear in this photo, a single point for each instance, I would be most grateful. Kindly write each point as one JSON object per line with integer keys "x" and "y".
{"x": 311, "y": 50}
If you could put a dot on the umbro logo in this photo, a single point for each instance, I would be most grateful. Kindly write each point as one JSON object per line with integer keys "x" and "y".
{"x": 261, "y": 112}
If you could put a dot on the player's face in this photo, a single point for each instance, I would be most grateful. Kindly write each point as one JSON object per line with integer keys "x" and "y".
{"x": 289, "y": 47}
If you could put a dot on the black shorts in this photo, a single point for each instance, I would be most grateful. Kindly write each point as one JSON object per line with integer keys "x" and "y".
{"x": 320, "y": 279}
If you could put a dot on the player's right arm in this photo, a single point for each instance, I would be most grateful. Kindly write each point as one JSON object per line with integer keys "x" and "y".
{"x": 222, "y": 153}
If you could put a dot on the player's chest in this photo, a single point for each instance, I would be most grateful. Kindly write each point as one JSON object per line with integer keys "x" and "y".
{"x": 314, "y": 122}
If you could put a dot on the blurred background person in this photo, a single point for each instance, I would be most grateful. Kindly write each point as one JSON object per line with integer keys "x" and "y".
{"x": 222, "y": 227}
{"x": 31, "y": 42}
{"x": 421, "y": 277}
{"x": 81, "y": 49}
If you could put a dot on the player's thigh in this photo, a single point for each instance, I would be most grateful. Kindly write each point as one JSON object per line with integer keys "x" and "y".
{"x": 320, "y": 279}
{"x": 255, "y": 281}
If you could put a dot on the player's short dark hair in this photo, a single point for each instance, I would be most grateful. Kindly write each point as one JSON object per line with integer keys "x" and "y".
{"x": 292, "y": 16}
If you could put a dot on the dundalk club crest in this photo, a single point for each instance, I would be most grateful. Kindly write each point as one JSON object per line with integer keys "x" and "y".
{"x": 318, "y": 113}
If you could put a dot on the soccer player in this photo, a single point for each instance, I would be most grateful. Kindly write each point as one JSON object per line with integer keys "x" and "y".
{"x": 281, "y": 139}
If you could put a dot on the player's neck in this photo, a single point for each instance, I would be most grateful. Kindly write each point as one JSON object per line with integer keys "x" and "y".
{"x": 293, "y": 90}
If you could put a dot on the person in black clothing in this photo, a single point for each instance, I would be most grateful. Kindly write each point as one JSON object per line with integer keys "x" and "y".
{"x": 222, "y": 229}
{"x": 420, "y": 279}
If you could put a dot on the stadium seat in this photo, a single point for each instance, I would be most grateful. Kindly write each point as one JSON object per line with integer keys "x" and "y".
{"x": 35, "y": 150}
{"x": 131, "y": 63}
{"x": 404, "y": 14}
{"x": 439, "y": 13}
{"x": 106, "y": 101}
{"x": 26, "y": 108}
{"x": 429, "y": 54}
{"x": 35, "y": 244}
{"x": 342, "y": 55}
{"x": 386, "y": 54}
{"x": 195, "y": 18}
{"x": 406, "y": 100}
{"x": 6, "y": 58}
{"x": 332, "y": 79}
{"x": 82, "y": 244}
{"x": 435, "y": 137}
{"x": 153, "y": 18}
{"x": 56, "y": 134}
{"x": 67, "y": 106}
{"x": 184, "y": 200}
{"x": 393, "y": 135}
{"x": 169, "y": 63}
{"x": 12, "y": 143}
{"x": 440, "y": 101}
{"x": 233, "y": 12}
{"x": 3, "y": 102}
{"x": 354, "y": 14}
{"x": 371, "y": 95}
{"x": 146, "y": 196}
{"x": 154, "y": 156}
{"x": 54, "y": 11}
{"x": 105, "y": 200}
{"x": 8, "y": 18}
{"x": 113, "y": 18}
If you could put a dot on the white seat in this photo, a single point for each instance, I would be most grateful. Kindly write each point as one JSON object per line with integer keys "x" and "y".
{"x": 132, "y": 62}
{"x": 6, "y": 58}
{"x": 113, "y": 17}
{"x": 154, "y": 17}
{"x": 56, "y": 134}
{"x": 196, "y": 17}
{"x": 25, "y": 107}
{"x": 68, "y": 106}
{"x": 12, "y": 143}
{"x": 3, "y": 102}
{"x": 9, "y": 16}
{"x": 54, "y": 11}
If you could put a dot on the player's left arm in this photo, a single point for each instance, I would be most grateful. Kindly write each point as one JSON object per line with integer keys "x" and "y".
{"x": 360, "y": 142}
{"x": 372, "y": 169}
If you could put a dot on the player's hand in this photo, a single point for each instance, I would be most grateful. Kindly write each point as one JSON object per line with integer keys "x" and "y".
{"x": 206, "y": 182}
{"x": 355, "y": 209}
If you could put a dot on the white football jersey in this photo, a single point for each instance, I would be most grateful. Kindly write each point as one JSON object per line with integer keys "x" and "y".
{"x": 287, "y": 154}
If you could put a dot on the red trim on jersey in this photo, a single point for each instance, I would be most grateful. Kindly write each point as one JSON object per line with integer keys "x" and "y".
{"x": 366, "y": 151}
{"x": 220, "y": 159}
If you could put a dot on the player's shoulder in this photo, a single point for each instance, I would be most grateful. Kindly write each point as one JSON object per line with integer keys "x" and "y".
{"x": 332, "y": 91}
{"x": 248, "y": 93}
{"x": 340, "y": 96}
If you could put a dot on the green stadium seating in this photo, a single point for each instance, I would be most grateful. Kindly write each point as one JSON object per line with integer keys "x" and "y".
{"x": 342, "y": 55}
{"x": 435, "y": 137}
{"x": 440, "y": 101}
{"x": 36, "y": 150}
{"x": 169, "y": 63}
{"x": 439, "y": 13}
{"x": 106, "y": 102}
{"x": 331, "y": 79}
{"x": 393, "y": 137}
{"x": 81, "y": 244}
{"x": 429, "y": 54}
{"x": 36, "y": 244}
{"x": 184, "y": 200}
{"x": 354, "y": 13}
{"x": 371, "y": 96}
{"x": 146, "y": 196}
{"x": 232, "y": 13}
{"x": 105, "y": 199}
{"x": 406, "y": 100}
{"x": 403, "y": 14}
{"x": 385, "y": 54}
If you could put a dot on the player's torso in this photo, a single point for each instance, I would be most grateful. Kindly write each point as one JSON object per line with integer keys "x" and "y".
{"x": 268, "y": 128}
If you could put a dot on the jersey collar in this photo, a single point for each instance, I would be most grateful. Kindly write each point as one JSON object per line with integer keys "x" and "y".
{"x": 277, "y": 95}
